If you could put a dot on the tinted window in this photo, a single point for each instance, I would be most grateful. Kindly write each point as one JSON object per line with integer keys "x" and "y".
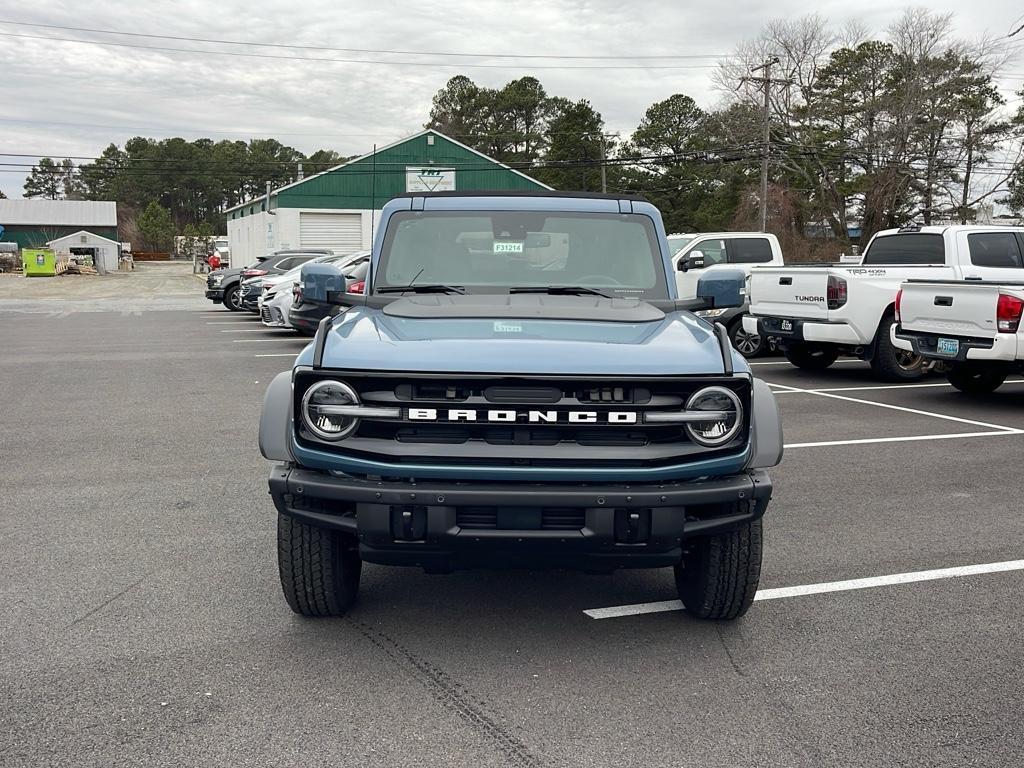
{"x": 492, "y": 251}
{"x": 286, "y": 264}
{"x": 713, "y": 250}
{"x": 750, "y": 250}
{"x": 994, "y": 249}
{"x": 909, "y": 248}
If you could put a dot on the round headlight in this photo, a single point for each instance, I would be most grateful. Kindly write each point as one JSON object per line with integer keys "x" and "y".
{"x": 324, "y": 409}
{"x": 723, "y": 426}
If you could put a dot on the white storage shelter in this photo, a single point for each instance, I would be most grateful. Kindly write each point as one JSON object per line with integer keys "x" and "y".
{"x": 105, "y": 253}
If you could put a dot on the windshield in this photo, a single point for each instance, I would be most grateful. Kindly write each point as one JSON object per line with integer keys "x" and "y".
{"x": 676, "y": 243}
{"x": 492, "y": 252}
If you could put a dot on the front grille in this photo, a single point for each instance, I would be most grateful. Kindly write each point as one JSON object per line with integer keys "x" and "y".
{"x": 539, "y": 431}
{"x": 521, "y": 518}
{"x": 265, "y": 315}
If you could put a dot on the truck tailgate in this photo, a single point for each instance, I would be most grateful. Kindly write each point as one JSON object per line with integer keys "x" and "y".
{"x": 957, "y": 309}
{"x": 794, "y": 292}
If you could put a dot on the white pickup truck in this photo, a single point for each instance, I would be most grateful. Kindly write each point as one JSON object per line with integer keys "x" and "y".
{"x": 821, "y": 311}
{"x": 973, "y": 329}
{"x": 696, "y": 254}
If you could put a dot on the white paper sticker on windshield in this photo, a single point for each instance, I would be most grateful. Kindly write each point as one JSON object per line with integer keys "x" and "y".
{"x": 505, "y": 246}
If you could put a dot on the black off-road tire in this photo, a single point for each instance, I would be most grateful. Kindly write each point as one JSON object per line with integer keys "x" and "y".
{"x": 719, "y": 574}
{"x": 974, "y": 380}
{"x": 231, "y": 299}
{"x": 892, "y": 364}
{"x": 810, "y": 355}
{"x": 747, "y": 344}
{"x": 319, "y": 568}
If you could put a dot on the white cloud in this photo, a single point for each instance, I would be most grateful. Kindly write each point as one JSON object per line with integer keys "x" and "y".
{"x": 74, "y": 99}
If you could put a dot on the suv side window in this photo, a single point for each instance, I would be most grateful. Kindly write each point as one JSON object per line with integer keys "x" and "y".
{"x": 995, "y": 249}
{"x": 285, "y": 264}
{"x": 749, "y": 250}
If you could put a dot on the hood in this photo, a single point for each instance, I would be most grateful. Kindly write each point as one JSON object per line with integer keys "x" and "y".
{"x": 676, "y": 344}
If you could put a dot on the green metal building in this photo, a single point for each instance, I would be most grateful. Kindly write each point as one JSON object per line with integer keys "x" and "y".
{"x": 334, "y": 209}
{"x": 33, "y": 223}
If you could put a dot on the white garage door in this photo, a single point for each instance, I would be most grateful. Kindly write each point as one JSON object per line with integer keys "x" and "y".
{"x": 341, "y": 232}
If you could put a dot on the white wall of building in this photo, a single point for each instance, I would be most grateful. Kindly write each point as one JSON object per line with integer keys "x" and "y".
{"x": 254, "y": 235}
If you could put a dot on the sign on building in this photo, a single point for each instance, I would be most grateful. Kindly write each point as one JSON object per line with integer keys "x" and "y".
{"x": 429, "y": 179}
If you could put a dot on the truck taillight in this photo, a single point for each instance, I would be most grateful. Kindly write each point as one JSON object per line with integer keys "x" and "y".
{"x": 835, "y": 292}
{"x": 359, "y": 286}
{"x": 297, "y": 293}
{"x": 1008, "y": 312}
{"x": 899, "y": 299}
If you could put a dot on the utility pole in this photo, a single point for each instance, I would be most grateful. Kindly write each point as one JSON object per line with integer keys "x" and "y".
{"x": 604, "y": 172}
{"x": 766, "y": 83}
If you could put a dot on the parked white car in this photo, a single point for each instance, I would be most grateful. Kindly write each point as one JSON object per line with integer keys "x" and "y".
{"x": 821, "y": 311}
{"x": 710, "y": 251}
{"x": 972, "y": 328}
{"x": 278, "y": 291}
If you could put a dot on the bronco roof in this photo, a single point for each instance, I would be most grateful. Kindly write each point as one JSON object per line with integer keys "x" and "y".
{"x": 530, "y": 193}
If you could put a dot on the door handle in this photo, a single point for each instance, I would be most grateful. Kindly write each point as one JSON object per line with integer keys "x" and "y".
{"x": 943, "y": 301}
{"x": 785, "y": 281}
{"x": 973, "y": 278}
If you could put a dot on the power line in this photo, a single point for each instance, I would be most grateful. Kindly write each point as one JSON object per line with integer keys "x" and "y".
{"x": 446, "y": 65}
{"x": 366, "y": 50}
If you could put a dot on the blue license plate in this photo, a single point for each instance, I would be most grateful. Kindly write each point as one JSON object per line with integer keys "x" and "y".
{"x": 950, "y": 347}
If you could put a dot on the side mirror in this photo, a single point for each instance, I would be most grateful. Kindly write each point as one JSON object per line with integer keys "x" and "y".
{"x": 722, "y": 288}
{"x": 692, "y": 260}
{"x": 321, "y": 282}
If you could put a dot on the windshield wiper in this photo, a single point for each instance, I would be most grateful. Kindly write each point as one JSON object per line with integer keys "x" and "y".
{"x": 560, "y": 290}
{"x": 425, "y": 288}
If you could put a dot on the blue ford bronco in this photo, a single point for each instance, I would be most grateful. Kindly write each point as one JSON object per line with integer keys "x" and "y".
{"x": 519, "y": 386}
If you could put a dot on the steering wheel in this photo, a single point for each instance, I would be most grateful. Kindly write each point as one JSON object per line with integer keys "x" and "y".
{"x": 587, "y": 278}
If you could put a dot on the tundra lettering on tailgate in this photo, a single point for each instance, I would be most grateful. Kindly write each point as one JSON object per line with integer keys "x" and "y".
{"x": 816, "y": 299}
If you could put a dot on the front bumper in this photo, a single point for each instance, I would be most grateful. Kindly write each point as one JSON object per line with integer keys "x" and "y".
{"x": 788, "y": 329}
{"x": 307, "y": 315}
{"x": 442, "y": 526}
{"x": 216, "y": 295}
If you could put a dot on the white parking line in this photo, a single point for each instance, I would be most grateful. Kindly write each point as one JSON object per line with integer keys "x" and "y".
{"x": 791, "y": 390}
{"x": 890, "y": 406}
{"x": 276, "y": 337}
{"x": 255, "y": 330}
{"x": 786, "y": 362}
{"x": 817, "y": 589}
{"x": 279, "y": 354}
{"x": 232, "y": 322}
{"x": 908, "y": 439}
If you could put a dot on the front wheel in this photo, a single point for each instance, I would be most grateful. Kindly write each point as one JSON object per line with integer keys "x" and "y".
{"x": 719, "y": 574}
{"x": 972, "y": 380}
{"x": 319, "y": 568}
{"x": 747, "y": 344}
{"x": 231, "y": 299}
{"x": 891, "y": 363}
{"x": 811, "y": 356}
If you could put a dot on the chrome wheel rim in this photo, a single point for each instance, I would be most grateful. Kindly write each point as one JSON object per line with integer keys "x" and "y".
{"x": 908, "y": 361}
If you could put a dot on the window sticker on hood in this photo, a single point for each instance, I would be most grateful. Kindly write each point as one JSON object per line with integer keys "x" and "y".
{"x": 503, "y": 327}
{"x": 507, "y": 246}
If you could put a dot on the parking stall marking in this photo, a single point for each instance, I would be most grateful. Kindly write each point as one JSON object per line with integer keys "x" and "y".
{"x": 279, "y": 354}
{"x": 275, "y": 337}
{"x": 866, "y": 388}
{"x": 786, "y": 362}
{"x": 803, "y": 590}
{"x": 907, "y": 439}
{"x": 261, "y": 329}
{"x": 889, "y": 406}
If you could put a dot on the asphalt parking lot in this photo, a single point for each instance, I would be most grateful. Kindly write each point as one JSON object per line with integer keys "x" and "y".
{"x": 142, "y": 623}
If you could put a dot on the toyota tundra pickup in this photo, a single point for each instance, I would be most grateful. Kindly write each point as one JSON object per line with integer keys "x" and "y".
{"x": 520, "y": 386}
{"x": 821, "y": 311}
{"x": 972, "y": 329}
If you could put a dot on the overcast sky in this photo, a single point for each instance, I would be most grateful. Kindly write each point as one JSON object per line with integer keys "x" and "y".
{"x": 67, "y": 99}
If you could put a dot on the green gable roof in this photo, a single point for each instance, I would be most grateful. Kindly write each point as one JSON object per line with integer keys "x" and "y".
{"x": 372, "y": 180}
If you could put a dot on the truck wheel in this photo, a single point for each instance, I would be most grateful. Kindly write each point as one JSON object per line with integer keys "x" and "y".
{"x": 319, "y": 568}
{"x": 892, "y": 364}
{"x": 719, "y": 574}
{"x": 972, "y": 380}
{"x": 747, "y": 344}
{"x": 231, "y": 299}
{"x": 811, "y": 356}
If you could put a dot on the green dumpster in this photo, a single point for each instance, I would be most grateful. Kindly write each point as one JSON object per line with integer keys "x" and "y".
{"x": 38, "y": 262}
